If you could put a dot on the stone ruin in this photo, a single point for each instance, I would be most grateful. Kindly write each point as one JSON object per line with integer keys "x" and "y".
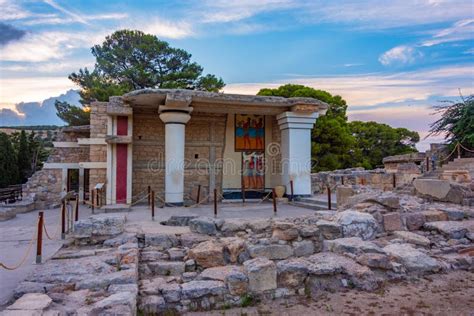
{"x": 221, "y": 263}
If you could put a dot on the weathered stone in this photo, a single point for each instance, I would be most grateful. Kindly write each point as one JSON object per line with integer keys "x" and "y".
{"x": 386, "y": 199}
{"x": 179, "y": 220}
{"x": 292, "y": 272}
{"x": 412, "y": 259}
{"x": 232, "y": 276}
{"x": 99, "y": 226}
{"x": 452, "y": 229}
{"x": 259, "y": 225}
{"x": 190, "y": 265}
{"x": 126, "y": 299}
{"x": 273, "y": 251}
{"x": 351, "y": 245}
{"x": 357, "y": 224}
{"x": 234, "y": 225}
{"x": 303, "y": 248}
{"x": 203, "y": 225}
{"x": 233, "y": 247}
{"x": 441, "y": 190}
{"x": 434, "y": 216}
{"x": 120, "y": 240}
{"x": 307, "y": 231}
{"x": 454, "y": 214}
{"x": 197, "y": 289}
{"x": 167, "y": 267}
{"x": 375, "y": 260}
{"x": 152, "y": 255}
{"x": 208, "y": 254}
{"x": 392, "y": 222}
{"x": 176, "y": 254}
{"x": 116, "y": 288}
{"x": 161, "y": 241}
{"x": 152, "y": 286}
{"x": 152, "y": 304}
{"x": 171, "y": 292}
{"x": 414, "y": 221}
{"x": 412, "y": 238}
{"x": 192, "y": 239}
{"x": 329, "y": 230}
{"x": 284, "y": 231}
{"x": 262, "y": 274}
{"x": 97, "y": 282}
{"x": 31, "y": 301}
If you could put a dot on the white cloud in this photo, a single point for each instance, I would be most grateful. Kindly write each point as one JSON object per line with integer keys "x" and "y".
{"x": 460, "y": 31}
{"x": 400, "y": 55}
{"x": 377, "y": 14}
{"x": 31, "y": 89}
{"x": 12, "y": 11}
{"x": 39, "y": 47}
{"x": 75, "y": 16}
{"x": 168, "y": 29}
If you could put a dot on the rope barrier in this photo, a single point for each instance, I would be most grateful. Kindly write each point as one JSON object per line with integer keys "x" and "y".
{"x": 22, "y": 261}
{"x": 469, "y": 150}
{"x": 56, "y": 233}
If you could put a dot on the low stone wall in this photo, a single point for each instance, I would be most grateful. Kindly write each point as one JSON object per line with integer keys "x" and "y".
{"x": 376, "y": 179}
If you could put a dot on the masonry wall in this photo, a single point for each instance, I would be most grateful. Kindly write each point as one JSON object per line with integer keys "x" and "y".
{"x": 204, "y": 143}
{"x": 98, "y": 153}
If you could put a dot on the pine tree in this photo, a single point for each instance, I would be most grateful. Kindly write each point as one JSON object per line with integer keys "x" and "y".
{"x": 23, "y": 158}
{"x": 8, "y": 165}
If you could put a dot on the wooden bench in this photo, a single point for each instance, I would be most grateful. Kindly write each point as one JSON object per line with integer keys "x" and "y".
{"x": 11, "y": 194}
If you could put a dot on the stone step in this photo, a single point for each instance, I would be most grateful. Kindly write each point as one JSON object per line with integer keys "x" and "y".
{"x": 314, "y": 204}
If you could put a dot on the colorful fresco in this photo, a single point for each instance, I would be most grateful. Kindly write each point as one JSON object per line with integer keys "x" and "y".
{"x": 253, "y": 173}
{"x": 249, "y": 132}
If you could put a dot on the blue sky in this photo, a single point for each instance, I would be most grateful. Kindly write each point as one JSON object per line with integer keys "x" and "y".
{"x": 391, "y": 60}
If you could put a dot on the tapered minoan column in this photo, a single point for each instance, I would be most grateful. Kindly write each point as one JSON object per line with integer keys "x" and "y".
{"x": 175, "y": 119}
{"x": 296, "y": 150}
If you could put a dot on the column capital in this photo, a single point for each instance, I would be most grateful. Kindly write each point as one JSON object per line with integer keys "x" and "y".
{"x": 293, "y": 120}
{"x": 176, "y": 115}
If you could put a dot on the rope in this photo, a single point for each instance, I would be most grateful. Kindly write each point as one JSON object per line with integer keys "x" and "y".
{"x": 447, "y": 157}
{"x": 470, "y": 150}
{"x": 22, "y": 261}
{"x": 56, "y": 233}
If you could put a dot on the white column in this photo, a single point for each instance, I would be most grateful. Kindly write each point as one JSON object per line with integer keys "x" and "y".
{"x": 175, "y": 123}
{"x": 296, "y": 150}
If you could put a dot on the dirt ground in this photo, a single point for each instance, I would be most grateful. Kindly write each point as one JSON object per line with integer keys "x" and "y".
{"x": 442, "y": 294}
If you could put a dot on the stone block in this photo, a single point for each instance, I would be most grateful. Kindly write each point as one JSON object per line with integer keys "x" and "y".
{"x": 273, "y": 251}
{"x": 284, "y": 231}
{"x": 31, "y": 302}
{"x": 262, "y": 274}
{"x": 329, "y": 230}
{"x": 197, "y": 289}
{"x": 414, "y": 221}
{"x": 208, "y": 254}
{"x": 303, "y": 248}
{"x": 412, "y": 238}
{"x": 167, "y": 267}
{"x": 434, "y": 216}
{"x": 203, "y": 225}
{"x": 357, "y": 224}
{"x": 392, "y": 222}
{"x": 412, "y": 259}
{"x": 292, "y": 272}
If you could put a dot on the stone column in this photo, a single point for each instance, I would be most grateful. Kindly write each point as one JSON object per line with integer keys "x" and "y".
{"x": 175, "y": 120}
{"x": 296, "y": 150}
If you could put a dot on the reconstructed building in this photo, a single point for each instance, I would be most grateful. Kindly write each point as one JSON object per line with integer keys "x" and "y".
{"x": 175, "y": 140}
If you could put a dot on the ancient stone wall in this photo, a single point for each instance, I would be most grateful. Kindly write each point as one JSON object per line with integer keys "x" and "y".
{"x": 98, "y": 153}
{"x": 204, "y": 143}
{"x": 377, "y": 179}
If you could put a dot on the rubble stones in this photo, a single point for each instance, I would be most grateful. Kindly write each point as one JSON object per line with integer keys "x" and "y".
{"x": 392, "y": 222}
{"x": 167, "y": 267}
{"x": 161, "y": 241}
{"x": 329, "y": 230}
{"x": 292, "y": 272}
{"x": 273, "y": 251}
{"x": 208, "y": 254}
{"x": 233, "y": 276}
{"x": 152, "y": 304}
{"x": 434, "y": 216}
{"x": 352, "y": 245}
{"x": 412, "y": 259}
{"x": 452, "y": 229}
{"x": 284, "y": 231}
{"x": 303, "y": 248}
{"x": 357, "y": 224}
{"x": 414, "y": 221}
{"x": 412, "y": 238}
{"x": 99, "y": 226}
{"x": 203, "y": 225}
{"x": 31, "y": 302}
{"x": 196, "y": 289}
{"x": 262, "y": 274}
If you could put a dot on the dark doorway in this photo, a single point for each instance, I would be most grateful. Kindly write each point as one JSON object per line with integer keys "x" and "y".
{"x": 73, "y": 180}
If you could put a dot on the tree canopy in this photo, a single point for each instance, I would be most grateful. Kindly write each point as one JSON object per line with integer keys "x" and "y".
{"x": 337, "y": 143}
{"x": 456, "y": 122}
{"x": 129, "y": 60}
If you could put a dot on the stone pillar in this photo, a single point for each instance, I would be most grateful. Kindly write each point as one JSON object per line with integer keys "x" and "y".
{"x": 175, "y": 120}
{"x": 296, "y": 150}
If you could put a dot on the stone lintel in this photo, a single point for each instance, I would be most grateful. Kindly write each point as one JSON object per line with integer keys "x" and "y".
{"x": 119, "y": 109}
{"x": 294, "y": 120}
{"x": 118, "y": 139}
{"x": 178, "y": 99}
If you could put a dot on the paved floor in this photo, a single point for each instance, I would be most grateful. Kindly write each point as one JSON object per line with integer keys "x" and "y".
{"x": 15, "y": 234}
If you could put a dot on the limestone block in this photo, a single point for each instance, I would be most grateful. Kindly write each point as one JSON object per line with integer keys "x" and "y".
{"x": 412, "y": 238}
{"x": 272, "y": 252}
{"x": 392, "y": 222}
{"x": 262, "y": 274}
{"x": 352, "y": 245}
{"x": 412, "y": 259}
{"x": 414, "y": 221}
{"x": 208, "y": 254}
{"x": 303, "y": 248}
{"x": 197, "y": 289}
{"x": 292, "y": 272}
{"x": 30, "y": 302}
{"x": 357, "y": 224}
{"x": 329, "y": 230}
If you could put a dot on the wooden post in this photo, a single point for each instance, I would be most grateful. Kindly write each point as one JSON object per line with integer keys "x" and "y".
{"x": 63, "y": 220}
{"x": 291, "y": 188}
{"x": 152, "y": 205}
{"x": 243, "y": 192}
{"x": 459, "y": 151}
{"x": 149, "y": 196}
{"x": 342, "y": 180}
{"x": 215, "y": 202}
{"x": 274, "y": 201}
{"x": 97, "y": 193}
{"x": 329, "y": 199}
{"x": 39, "y": 239}
{"x": 198, "y": 197}
{"x": 394, "y": 180}
{"x": 427, "y": 164}
{"x": 76, "y": 218}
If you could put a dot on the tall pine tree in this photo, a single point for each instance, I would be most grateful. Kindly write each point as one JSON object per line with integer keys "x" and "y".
{"x": 23, "y": 158}
{"x": 8, "y": 162}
